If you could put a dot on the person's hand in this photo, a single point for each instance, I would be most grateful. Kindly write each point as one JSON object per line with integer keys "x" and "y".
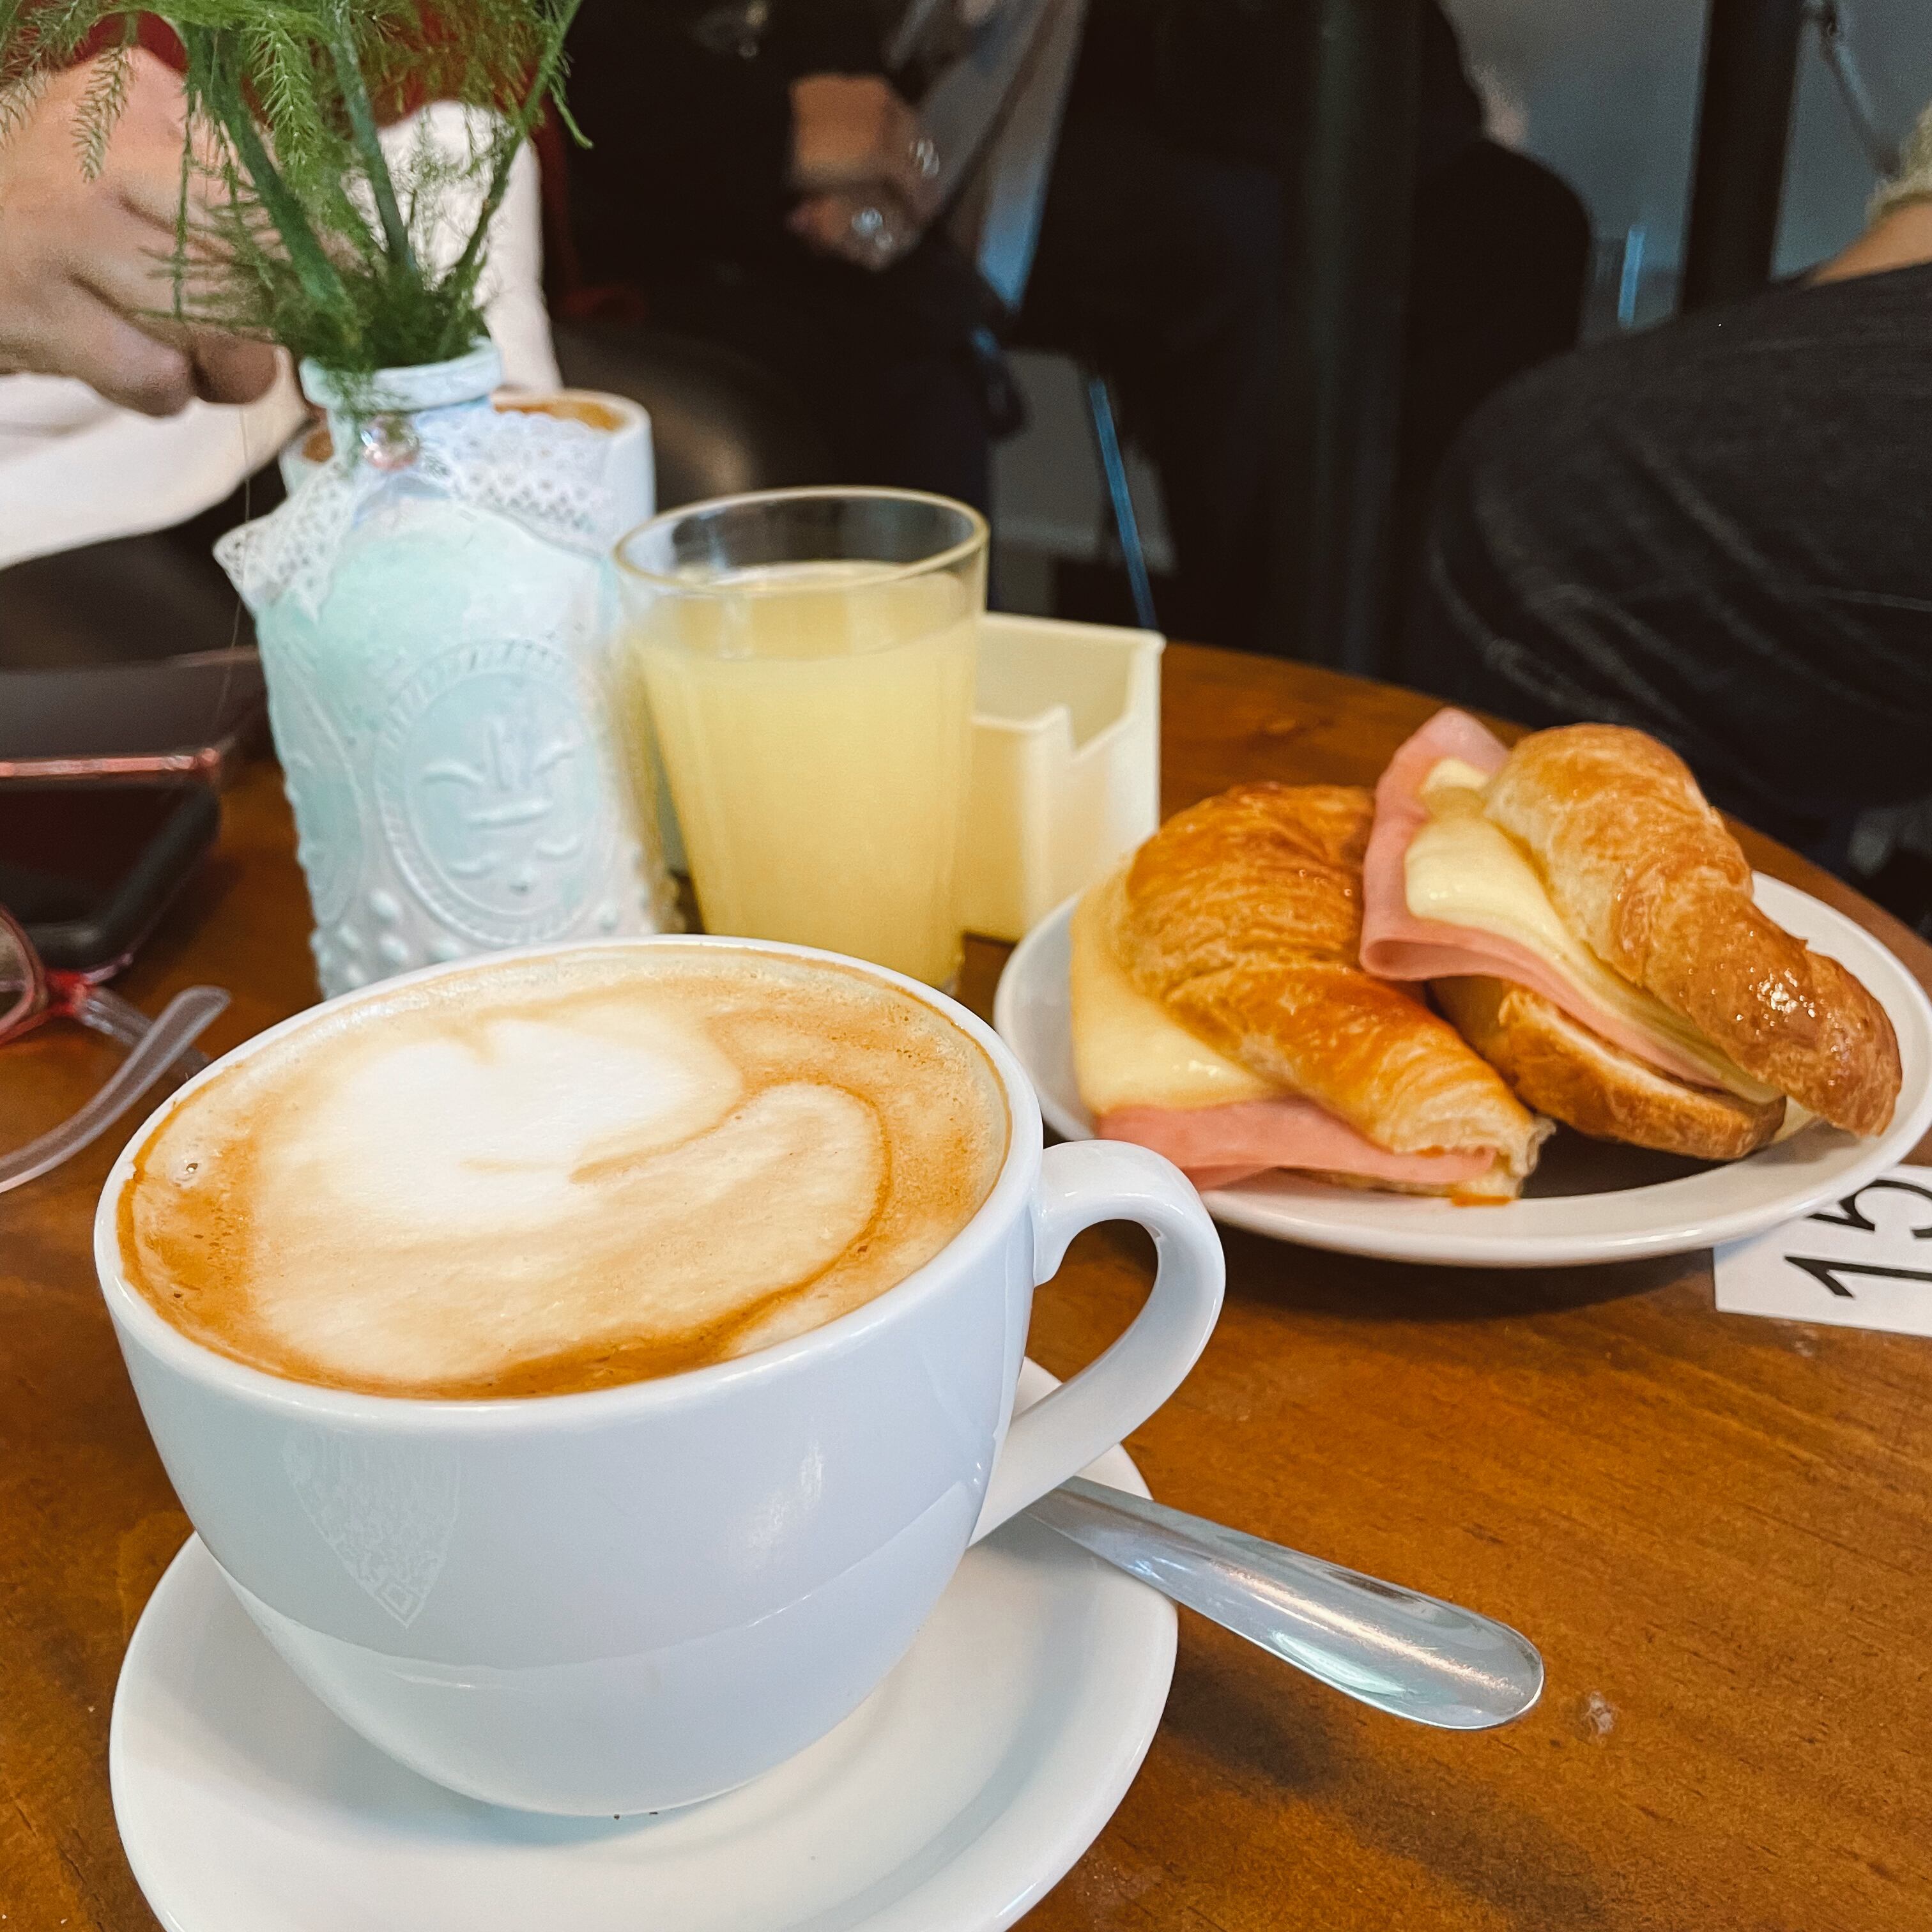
{"x": 867, "y": 172}
{"x": 84, "y": 264}
{"x": 1899, "y": 239}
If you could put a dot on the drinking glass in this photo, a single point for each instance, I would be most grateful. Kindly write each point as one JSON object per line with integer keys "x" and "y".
{"x": 803, "y": 661}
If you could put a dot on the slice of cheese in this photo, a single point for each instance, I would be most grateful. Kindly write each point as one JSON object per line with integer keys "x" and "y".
{"x": 1145, "y": 1078}
{"x": 1464, "y": 870}
{"x": 1127, "y": 1051}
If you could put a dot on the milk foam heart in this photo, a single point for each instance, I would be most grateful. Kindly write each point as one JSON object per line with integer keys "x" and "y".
{"x": 538, "y": 1177}
{"x": 485, "y": 1130}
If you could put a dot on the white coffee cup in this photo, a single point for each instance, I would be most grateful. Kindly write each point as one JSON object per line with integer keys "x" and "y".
{"x": 637, "y": 1597}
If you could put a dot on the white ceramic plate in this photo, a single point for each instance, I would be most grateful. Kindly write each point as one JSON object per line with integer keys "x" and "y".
{"x": 951, "y": 1801}
{"x": 1588, "y": 1201}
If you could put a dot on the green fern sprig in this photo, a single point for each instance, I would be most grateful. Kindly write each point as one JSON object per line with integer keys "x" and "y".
{"x": 106, "y": 98}
{"x": 293, "y": 225}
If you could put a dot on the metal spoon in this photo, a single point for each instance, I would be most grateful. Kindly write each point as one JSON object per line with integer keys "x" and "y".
{"x": 1414, "y": 1656}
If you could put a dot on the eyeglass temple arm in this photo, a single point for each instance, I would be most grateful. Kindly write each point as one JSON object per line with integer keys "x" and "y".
{"x": 156, "y": 1048}
{"x": 107, "y": 1012}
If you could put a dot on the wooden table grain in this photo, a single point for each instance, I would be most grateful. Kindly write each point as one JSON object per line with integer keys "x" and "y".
{"x": 1717, "y": 1529}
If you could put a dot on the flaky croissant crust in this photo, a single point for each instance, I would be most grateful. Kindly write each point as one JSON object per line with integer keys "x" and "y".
{"x": 1243, "y": 915}
{"x": 1556, "y": 1065}
{"x": 1643, "y": 869}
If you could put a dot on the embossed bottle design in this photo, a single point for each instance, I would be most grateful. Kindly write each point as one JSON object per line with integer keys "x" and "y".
{"x": 433, "y": 607}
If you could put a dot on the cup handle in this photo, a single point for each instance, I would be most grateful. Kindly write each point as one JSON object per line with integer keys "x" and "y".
{"x": 1082, "y": 1183}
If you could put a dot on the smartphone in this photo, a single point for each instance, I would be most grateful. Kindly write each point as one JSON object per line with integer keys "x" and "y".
{"x": 87, "y": 869}
{"x": 182, "y": 718}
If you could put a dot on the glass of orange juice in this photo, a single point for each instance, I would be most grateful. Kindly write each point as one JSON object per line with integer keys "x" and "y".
{"x": 803, "y": 662}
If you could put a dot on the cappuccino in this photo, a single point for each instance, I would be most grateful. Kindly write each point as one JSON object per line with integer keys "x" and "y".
{"x": 533, "y": 1178}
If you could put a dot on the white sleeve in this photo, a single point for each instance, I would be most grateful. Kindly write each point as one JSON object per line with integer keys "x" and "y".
{"x": 513, "y": 301}
{"x": 108, "y": 472}
{"x": 512, "y": 286}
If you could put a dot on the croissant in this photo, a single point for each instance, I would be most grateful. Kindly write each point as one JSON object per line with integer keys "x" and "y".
{"x": 1242, "y": 917}
{"x": 1558, "y": 1066}
{"x": 1646, "y": 873}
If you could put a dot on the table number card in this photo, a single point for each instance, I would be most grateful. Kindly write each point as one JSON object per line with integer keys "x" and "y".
{"x": 1862, "y": 1262}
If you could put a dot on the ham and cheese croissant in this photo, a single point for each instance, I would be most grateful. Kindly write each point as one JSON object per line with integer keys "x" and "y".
{"x": 1221, "y": 1016}
{"x": 1587, "y": 920}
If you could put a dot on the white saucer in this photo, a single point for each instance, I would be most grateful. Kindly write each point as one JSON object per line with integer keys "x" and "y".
{"x": 1588, "y": 1201}
{"x": 950, "y": 1801}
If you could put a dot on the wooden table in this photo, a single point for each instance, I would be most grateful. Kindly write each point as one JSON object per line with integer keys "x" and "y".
{"x": 1716, "y": 1528}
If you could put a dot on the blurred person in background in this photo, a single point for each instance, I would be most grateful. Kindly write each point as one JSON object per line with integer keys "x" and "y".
{"x": 759, "y": 176}
{"x": 1715, "y": 530}
{"x": 130, "y": 442}
{"x": 115, "y": 421}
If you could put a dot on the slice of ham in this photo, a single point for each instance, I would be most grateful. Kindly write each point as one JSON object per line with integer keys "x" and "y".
{"x": 1215, "y": 1146}
{"x": 1396, "y": 945}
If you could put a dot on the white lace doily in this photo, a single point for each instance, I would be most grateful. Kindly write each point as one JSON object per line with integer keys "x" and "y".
{"x": 546, "y": 473}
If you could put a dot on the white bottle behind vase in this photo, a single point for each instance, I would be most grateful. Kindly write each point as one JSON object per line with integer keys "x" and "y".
{"x": 433, "y": 606}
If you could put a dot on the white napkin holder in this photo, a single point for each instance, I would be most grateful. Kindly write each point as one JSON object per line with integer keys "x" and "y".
{"x": 1066, "y": 778}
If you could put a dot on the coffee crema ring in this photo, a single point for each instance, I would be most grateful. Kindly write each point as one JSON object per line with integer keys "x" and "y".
{"x": 547, "y": 1176}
